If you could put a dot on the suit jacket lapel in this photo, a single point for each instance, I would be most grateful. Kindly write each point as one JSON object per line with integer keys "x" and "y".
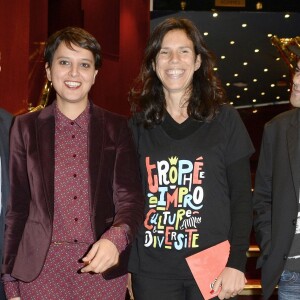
{"x": 293, "y": 140}
{"x": 96, "y": 143}
{"x": 45, "y": 131}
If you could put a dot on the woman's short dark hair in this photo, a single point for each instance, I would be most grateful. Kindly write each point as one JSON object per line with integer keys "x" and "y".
{"x": 76, "y": 36}
{"x": 207, "y": 93}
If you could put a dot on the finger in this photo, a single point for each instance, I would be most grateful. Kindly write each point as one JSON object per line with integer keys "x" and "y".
{"x": 86, "y": 267}
{"x": 102, "y": 261}
{"x": 86, "y": 263}
{"x": 216, "y": 286}
{"x": 90, "y": 255}
{"x": 88, "y": 259}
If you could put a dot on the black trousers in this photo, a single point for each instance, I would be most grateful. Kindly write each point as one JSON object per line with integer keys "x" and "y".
{"x": 146, "y": 288}
{"x": 2, "y": 293}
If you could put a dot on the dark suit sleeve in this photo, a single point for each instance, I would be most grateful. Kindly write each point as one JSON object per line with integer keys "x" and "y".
{"x": 262, "y": 198}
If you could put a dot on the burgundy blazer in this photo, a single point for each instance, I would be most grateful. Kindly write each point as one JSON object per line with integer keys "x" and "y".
{"x": 116, "y": 196}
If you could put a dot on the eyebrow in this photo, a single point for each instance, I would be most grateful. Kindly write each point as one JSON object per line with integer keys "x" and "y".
{"x": 181, "y": 47}
{"x": 67, "y": 57}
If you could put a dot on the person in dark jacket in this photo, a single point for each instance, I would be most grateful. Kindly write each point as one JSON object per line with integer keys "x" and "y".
{"x": 276, "y": 200}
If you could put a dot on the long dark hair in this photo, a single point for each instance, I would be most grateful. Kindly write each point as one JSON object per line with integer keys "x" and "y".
{"x": 147, "y": 95}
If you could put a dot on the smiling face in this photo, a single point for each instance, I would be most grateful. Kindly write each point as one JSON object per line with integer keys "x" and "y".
{"x": 295, "y": 95}
{"x": 72, "y": 73}
{"x": 176, "y": 62}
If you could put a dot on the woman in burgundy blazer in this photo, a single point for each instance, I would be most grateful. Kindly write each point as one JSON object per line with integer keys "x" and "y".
{"x": 115, "y": 197}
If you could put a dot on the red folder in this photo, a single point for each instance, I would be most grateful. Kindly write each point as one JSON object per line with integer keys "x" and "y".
{"x": 207, "y": 265}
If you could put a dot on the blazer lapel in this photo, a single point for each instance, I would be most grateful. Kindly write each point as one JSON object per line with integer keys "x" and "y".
{"x": 96, "y": 136}
{"x": 293, "y": 140}
{"x": 4, "y": 160}
{"x": 45, "y": 131}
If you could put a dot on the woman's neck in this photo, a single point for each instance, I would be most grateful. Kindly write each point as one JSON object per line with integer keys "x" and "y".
{"x": 72, "y": 110}
{"x": 176, "y": 106}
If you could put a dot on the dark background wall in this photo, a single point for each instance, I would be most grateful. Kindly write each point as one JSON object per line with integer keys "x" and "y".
{"x": 250, "y": 5}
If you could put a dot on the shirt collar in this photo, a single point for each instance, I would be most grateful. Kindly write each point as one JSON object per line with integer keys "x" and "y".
{"x": 82, "y": 120}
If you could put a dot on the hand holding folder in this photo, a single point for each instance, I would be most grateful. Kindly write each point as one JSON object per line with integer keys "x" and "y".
{"x": 207, "y": 265}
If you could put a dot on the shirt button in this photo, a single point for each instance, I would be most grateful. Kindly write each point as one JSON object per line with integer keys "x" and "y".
{"x": 72, "y": 123}
{"x": 74, "y": 175}
{"x": 74, "y": 155}
{"x": 285, "y": 257}
{"x": 76, "y": 219}
{"x": 294, "y": 222}
{"x": 73, "y": 136}
{"x": 75, "y": 197}
{"x": 75, "y": 241}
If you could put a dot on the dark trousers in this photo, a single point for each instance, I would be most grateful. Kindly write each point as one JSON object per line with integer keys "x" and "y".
{"x": 2, "y": 293}
{"x": 146, "y": 288}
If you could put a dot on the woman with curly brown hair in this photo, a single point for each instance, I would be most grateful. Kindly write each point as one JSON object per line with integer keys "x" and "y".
{"x": 194, "y": 159}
